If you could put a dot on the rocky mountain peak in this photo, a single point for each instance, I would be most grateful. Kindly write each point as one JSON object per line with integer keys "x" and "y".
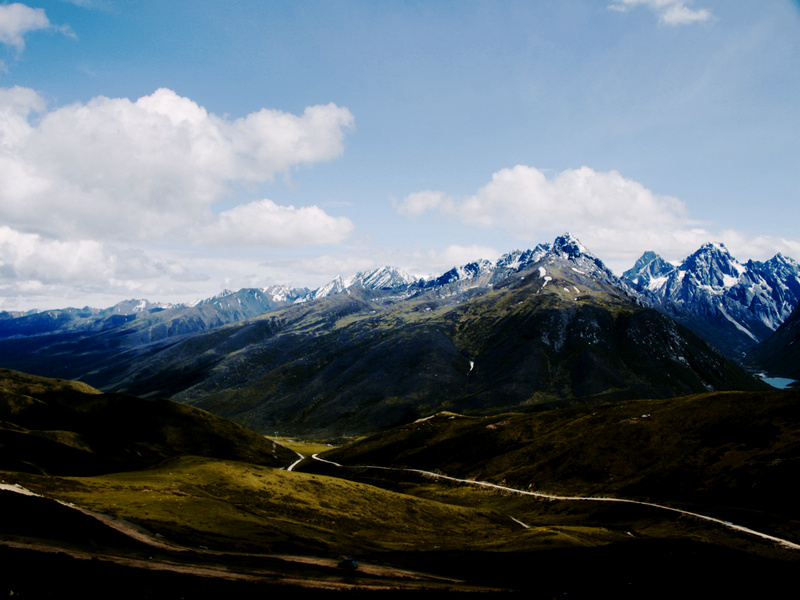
{"x": 381, "y": 278}
{"x": 570, "y": 246}
{"x": 713, "y": 265}
{"x": 649, "y": 271}
{"x": 129, "y": 307}
{"x": 733, "y": 305}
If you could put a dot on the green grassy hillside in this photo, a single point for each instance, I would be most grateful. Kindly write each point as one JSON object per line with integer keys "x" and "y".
{"x": 221, "y": 526}
{"x": 226, "y": 505}
{"x": 737, "y": 453}
{"x": 58, "y": 427}
{"x": 240, "y": 522}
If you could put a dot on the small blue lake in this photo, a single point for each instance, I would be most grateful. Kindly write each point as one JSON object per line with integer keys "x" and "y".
{"x": 778, "y": 382}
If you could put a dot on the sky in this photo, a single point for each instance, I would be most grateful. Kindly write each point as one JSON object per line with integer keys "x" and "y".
{"x": 170, "y": 150}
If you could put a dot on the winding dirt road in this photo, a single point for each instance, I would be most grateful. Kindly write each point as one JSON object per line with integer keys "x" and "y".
{"x": 728, "y": 524}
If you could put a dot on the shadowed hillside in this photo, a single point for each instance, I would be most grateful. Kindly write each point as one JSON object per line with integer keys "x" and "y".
{"x": 190, "y": 526}
{"x": 349, "y": 366}
{"x": 779, "y": 354}
{"x": 732, "y": 451}
{"x": 61, "y": 427}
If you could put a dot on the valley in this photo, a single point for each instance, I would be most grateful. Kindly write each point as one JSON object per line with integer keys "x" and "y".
{"x": 532, "y": 426}
{"x": 189, "y": 524}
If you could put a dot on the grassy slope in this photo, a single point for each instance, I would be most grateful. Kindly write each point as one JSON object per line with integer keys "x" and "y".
{"x": 451, "y": 531}
{"x": 730, "y": 451}
{"x": 236, "y": 506}
{"x": 691, "y": 450}
{"x": 53, "y": 426}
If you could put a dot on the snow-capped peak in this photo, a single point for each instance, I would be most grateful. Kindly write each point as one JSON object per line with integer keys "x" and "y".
{"x": 570, "y": 245}
{"x": 281, "y": 293}
{"x": 712, "y": 265}
{"x": 130, "y": 307}
{"x": 382, "y": 278}
{"x": 518, "y": 259}
{"x": 746, "y": 302}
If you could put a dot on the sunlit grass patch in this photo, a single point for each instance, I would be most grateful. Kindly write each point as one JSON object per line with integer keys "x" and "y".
{"x": 304, "y": 447}
{"x": 229, "y": 505}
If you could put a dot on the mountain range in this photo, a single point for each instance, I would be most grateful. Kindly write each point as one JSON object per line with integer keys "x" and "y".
{"x": 734, "y": 306}
{"x": 539, "y": 327}
{"x": 595, "y": 386}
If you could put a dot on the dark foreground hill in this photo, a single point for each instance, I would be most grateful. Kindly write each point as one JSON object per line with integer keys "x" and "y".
{"x": 62, "y": 427}
{"x": 201, "y": 527}
{"x": 731, "y": 452}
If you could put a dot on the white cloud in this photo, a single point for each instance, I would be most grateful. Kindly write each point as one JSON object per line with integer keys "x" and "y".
{"x": 28, "y": 259}
{"x": 419, "y": 203}
{"x": 615, "y": 217}
{"x": 36, "y": 272}
{"x": 16, "y": 20}
{"x": 524, "y": 201}
{"x": 456, "y": 256}
{"x": 264, "y": 223}
{"x": 84, "y": 187}
{"x": 760, "y": 247}
{"x": 149, "y": 169}
{"x": 669, "y": 12}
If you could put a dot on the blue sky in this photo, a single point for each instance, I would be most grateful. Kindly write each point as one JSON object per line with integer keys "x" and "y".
{"x": 168, "y": 150}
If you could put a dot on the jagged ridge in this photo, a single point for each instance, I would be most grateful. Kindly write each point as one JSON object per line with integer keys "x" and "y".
{"x": 734, "y": 306}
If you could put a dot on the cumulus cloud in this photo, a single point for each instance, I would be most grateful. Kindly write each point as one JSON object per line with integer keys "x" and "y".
{"x": 90, "y": 191}
{"x": 759, "y": 247}
{"x": 46, "y": 273}
{"x": 419, "y": 203}
{"x": 16, "y": 20}
{"x": 28, "y": 259}
{"x": 524, "y": 201}
{"x": 264, "y": 223}
{"x": 147, "y": 169}
{"x": 669, "y": 12}
{"x": 37, "y": 272}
